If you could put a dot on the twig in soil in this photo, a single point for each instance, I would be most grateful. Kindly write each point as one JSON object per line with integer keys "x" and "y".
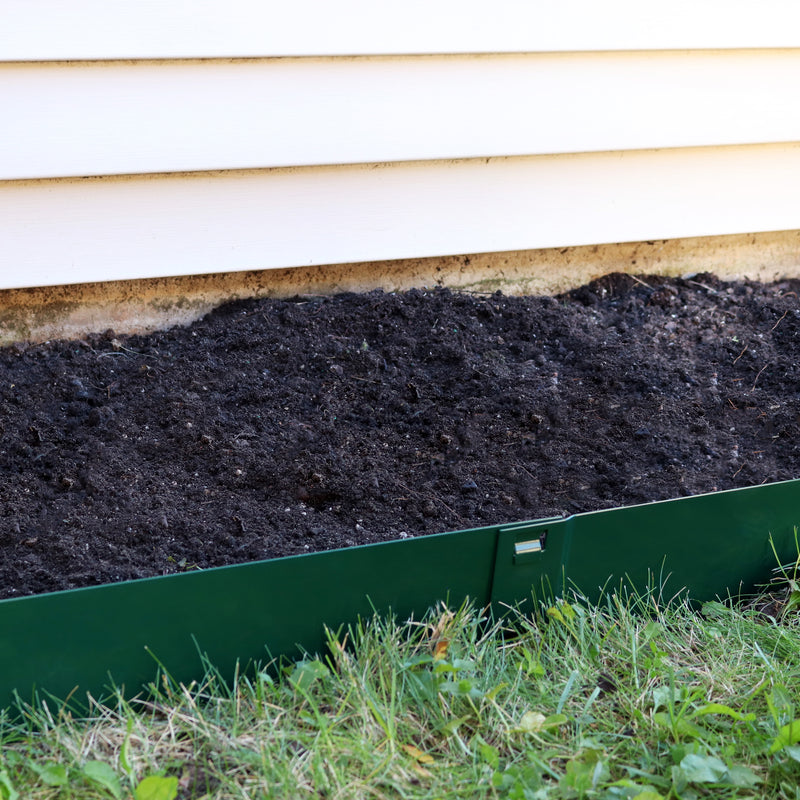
{"x": 778, "y": 322}
{"x": 118, "y": 346}
{"x": 432, "y": 497}
{"x": 703, "y": 286}
{"x": 639, "y": 280}
{"x": 740, "y": 354}
{"x": 758, "y": 376}
{"x": 454, "y": 513}
{"x": 738, "y": 470}
{"x": 526, "y": 470}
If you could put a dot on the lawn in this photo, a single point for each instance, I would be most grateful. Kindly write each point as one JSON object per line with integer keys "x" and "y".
{"x": 641, "y": 697}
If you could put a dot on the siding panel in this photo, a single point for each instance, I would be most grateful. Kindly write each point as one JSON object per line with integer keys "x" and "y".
{"x": 73, "y": 231}
{"x": 99, "y": 29}
{"x": 105, "y": 119}
{"x": 246, "y": 134}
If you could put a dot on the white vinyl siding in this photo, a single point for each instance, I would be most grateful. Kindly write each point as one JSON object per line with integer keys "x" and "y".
{"x": 167, "y": 138}
{"x": 42, "y": 30}
{"x": 125, "y": 118}
{"x": 71, "y": 231}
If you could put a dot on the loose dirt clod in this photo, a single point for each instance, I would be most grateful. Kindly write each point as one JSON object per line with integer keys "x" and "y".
{"x": 272, "y": 428}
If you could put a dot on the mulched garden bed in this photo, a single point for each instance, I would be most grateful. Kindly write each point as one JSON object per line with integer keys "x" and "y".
{"x": 271, "y": 428}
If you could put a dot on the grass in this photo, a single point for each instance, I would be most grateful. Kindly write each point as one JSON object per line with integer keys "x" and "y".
{"x": 633, "y": 699}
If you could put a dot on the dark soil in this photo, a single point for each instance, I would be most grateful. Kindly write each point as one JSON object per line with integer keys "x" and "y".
{"x": 271, "y": 428}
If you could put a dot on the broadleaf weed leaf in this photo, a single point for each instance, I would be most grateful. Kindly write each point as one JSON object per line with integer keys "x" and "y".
{"x": 103, "y": 775}
{"x": 787, "y": 735}
{"x": 717, "y": 708}
{"x": 157, "y": 787}
{"x": 306, "y": 673}
{"x": 7, "y": 790}
{"x": 52, "y": 774}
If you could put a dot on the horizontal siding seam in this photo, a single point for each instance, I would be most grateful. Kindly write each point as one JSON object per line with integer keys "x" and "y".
{"x": 395, "y": 56}
{"x": 381, "y": 165}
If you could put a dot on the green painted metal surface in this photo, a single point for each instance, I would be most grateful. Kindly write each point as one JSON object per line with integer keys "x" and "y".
{"x": 83, "y": 640}
{"x": 710, "y": 545}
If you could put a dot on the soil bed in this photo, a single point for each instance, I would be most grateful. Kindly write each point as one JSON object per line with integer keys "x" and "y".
{"x": 272, "y": 428}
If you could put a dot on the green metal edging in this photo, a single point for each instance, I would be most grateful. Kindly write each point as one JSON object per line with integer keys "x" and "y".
{"x": 84, "y": 640}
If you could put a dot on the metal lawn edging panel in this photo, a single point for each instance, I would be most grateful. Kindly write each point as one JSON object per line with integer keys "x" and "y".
{"x": 87, "y": 640}
{"x": 90, "y": 639}
{"x": 710, "y": 545}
